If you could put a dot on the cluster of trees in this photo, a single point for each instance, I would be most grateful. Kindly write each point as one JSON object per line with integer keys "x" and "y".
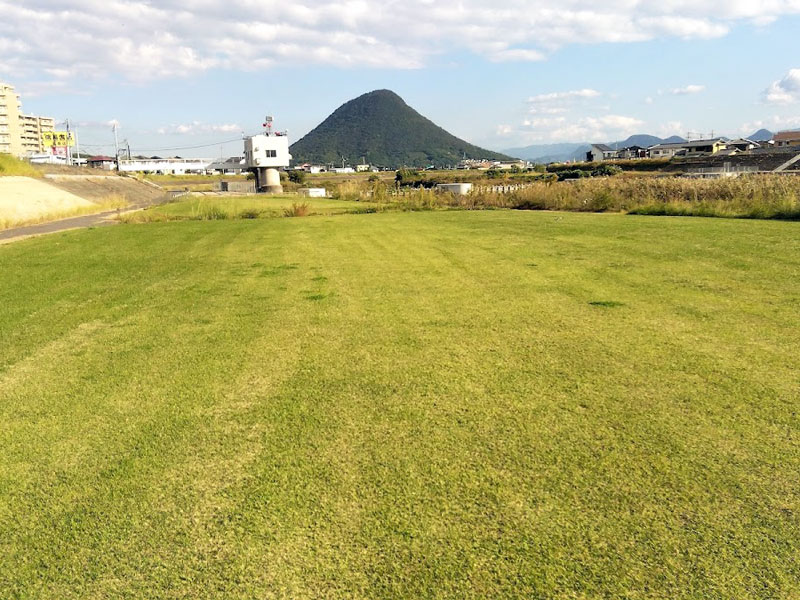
{"x": 602, "y": 170}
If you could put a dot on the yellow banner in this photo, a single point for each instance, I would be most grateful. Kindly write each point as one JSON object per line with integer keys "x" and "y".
{"x": 57, "y": 139}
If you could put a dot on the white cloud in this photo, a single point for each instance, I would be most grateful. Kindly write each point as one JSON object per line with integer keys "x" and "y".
{"x": 764, "y": 21}
{"x": 784, "y": 91}
{"x": 142, "y": 40}
{"x": 684, "y": 27}
{"x": 689, "y": 89}
{"x": 561, "y": 129}
{"x": 557, "y": 103}
{"x": 196, "y": 127}
{"x": 516, "y": 54}
{"x": 560, "y": 96}
{"x": 669, "y": 129}
{"x": 548, "y": 110}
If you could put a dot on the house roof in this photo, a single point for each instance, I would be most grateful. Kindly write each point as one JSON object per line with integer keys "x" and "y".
{"x": 668, "y": 146}
{"x": 99, "y": 159}
{"x": 603, "y": 147}
{"x": 785, "y": 136}
{"x": 695, "y": 143}
{"x": 232, "y": 162}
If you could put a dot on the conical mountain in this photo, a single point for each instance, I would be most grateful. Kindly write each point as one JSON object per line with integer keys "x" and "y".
{"x": 382, "y": 129}
{"x": 762, "y": 135}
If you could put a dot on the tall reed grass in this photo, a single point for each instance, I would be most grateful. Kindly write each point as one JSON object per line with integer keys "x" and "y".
{"x": 756, "y": 196}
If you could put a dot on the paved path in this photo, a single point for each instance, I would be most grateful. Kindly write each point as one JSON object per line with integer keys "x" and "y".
{"x": 18, "y": 233}
{"x": 96, "y": 220}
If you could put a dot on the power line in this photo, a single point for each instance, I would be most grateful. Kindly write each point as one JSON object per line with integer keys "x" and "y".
{"x": 238, "y": 139}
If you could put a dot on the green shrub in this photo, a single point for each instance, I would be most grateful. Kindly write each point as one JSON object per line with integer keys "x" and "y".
{"x": 572, "y": 174}
{"x": 606, "y": 170}
{"x": 298, "y": 176}
{"x": 407, "y": 176}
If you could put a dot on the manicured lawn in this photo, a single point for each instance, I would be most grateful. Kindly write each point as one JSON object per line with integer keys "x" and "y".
{"x": 402, "y": 405}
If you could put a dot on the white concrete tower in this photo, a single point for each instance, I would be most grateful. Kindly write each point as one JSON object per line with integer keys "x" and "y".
{"x": 264, "y": 154}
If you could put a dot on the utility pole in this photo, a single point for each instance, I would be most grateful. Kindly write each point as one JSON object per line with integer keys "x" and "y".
{"x": 77, "y": 148}
{"x": 116, "y": 145}
{"x": 69, "y": 154}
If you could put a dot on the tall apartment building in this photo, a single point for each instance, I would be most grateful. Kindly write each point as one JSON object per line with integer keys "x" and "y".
{"x": 32, "y": 128}
{"x": 10, "y": 124}
{"x": 20, "y": 134}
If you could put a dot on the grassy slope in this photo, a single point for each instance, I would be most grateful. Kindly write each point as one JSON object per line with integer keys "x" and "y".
{"x": 402, "y": 406}
{"x": 10, "y": 165}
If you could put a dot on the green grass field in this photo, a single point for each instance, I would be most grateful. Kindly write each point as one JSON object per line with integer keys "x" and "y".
{"x": 447, "y": 404}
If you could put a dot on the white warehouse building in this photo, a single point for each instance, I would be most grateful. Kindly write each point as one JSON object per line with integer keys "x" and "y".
{"x": 167, "y": 166}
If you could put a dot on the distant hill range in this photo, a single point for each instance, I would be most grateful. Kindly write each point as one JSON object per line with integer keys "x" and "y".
{"x": 546, "y": 153}
{"x": 382, "y": 129}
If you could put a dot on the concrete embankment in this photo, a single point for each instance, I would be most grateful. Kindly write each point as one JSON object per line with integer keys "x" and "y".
{"x": 25, "y": 199}
{"x": 62, "y": 197}
{"x": 99, "y": 188}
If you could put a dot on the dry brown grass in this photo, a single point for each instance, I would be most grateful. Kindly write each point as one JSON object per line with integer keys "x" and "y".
{"x": 297, "y": 209}
{"x": 758, "y": 196}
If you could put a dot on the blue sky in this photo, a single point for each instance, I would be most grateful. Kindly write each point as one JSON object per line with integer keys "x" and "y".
{"x": 183, "y": 81}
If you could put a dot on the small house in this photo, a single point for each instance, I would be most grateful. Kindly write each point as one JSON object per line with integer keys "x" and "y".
{"x": 785, "y": 139}
{"x": 101, "y": 162}
{"x": 600, "y": 152}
